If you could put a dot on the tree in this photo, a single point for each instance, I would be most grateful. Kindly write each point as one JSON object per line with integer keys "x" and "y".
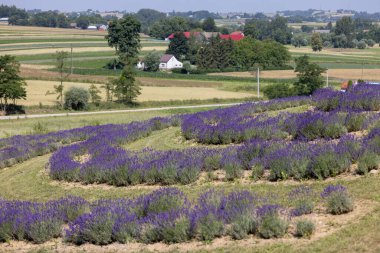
{"x": 307, "y": 29}
{"x": 148, "y": 17}
{"x": 76, "y": 98}
{"x": 216, "y": 54}
{"x": 209, "y": 25}
{"x": 83, "y": 22}
{"x": 179, "y": 46}
{"x": 163, "y": 28}
{"x": 250, "y": 52}
{"x": 124, "y": 36}
{"x": 126, "y": 87}
{"x": 345, "y": 26}
{"x": 316, "y": 42}
{"x": 152, "y": 61}
{"x": 12, "y": 86}
{"x": 299, "y": 41}
{"x": 340, "y": 41}
{"x": 61, "y": 57}
{"x": 309, "y": 76}
{"x": 277, "y": 29}
{"x": 109, "y": 88}
{"x": 94, "y": 94}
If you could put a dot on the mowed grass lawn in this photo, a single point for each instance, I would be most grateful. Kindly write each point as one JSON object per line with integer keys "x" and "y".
{"x": 36, "y": 93}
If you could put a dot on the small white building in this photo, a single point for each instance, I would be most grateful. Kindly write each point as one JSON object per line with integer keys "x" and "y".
{"x": 92, "y": 28}
{"x": 4, "y": 21}
{"x": 169, "y": 61}
{"x": 140, "y": 65}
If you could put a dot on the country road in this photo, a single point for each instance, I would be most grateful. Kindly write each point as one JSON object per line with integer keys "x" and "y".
{"x": 32, "y": 116}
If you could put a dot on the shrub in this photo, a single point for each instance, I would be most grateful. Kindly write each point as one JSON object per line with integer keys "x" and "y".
{"x": 337, "y": 200}
{"x": 233, "y": 171}
{"x": 272, "y": 226}
{"x": 304, "y": 228}
{"x": 177, "y": 232}
{"x": 367, "y": 162}
{"x": 278, "y": 90}
{"x": 209, "y": 227}
{"x": 303, "y": 199}
{"x": 241, "y": 228}
{"x": 76, "y": 98}
{"x": 41, "y": 227}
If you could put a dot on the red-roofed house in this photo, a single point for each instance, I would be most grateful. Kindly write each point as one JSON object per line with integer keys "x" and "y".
{"x": 169, "y": 61}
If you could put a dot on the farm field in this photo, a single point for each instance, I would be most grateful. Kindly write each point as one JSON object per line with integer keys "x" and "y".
{"x": 338, "y": 74}
{"x": 36, "y": 93}
{"x": 222, "y": 171}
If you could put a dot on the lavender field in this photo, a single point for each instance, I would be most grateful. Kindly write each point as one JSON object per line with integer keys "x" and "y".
{"x": 322, "y": 159}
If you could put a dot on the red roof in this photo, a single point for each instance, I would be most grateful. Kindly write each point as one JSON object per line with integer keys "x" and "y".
{"x": 166, "y": 58}
{"x": 236, "y": 36}
{"x": 187, "y": 34}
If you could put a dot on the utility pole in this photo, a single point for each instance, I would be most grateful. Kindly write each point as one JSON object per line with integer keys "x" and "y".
{"x": 258, "y": 82}
{"x": 71, "y": 58}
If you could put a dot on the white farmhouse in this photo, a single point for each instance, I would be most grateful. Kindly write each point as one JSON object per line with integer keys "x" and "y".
{"x": 169, "y": 61}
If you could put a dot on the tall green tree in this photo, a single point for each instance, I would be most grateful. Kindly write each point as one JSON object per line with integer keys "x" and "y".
{"x": 316, "y": 42}
{"x": 164, "y": 27}
{"x": 309, "y": 76}
{"x": 209, "y": 25}
{"x": 179, "y": 46}
{"x": 124, "y": 36}
{"x": 12, "y": 86}
{"x": 61, "y": 60}
{"x": 216, "y": 54}
{"x": 126, "y": 87}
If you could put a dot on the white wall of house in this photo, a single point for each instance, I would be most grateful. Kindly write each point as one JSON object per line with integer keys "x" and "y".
{"x": 173, "y": 63}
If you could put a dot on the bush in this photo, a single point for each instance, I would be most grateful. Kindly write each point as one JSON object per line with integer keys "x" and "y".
{"x": 177, "y": 232}
{"x": 367, "y": 162}
{"x": 272, "y": 226}
{"x": 361, "y": 45}
{"x": 43, "y": 227}
{"x": 278, "y": 90}
{"x": 337, "y": 200}
{"x": 244, "y": 226}
{"x": 76, "y": 98}
{"x": 305, "y": 228}
{"x": 209, "y": 227}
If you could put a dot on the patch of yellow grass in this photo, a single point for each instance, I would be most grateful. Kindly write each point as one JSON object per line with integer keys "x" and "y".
{"x": 36, "y": 93}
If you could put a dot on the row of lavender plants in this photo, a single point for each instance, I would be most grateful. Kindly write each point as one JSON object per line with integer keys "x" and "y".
{"x": 164, "y": 215}
{"x": 337, "y": 114}
{"x": 284, "y": 160}
{"x": 23, "y": 147}
{"x": 363, "y": 97}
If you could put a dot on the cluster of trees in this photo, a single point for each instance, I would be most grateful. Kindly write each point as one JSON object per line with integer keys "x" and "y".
{"x": 219, "y": 54}
{"x": 50, "y": 18}
{"x": 276, "y": 29}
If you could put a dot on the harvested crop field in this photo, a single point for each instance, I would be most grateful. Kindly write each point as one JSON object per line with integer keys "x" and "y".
{"x": 37, "y": 90}
{"x": 340, "y": 74}
{"x": 76, "y": 50}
